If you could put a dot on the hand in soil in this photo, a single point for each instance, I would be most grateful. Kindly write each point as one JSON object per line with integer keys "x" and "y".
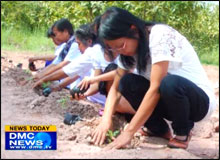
{"x": 38, "y": 83}
{"x": 111, "y": 135}
{"x": 99, "y": 135}
{"x": 38, "y": 90}
{"x": 121, "y": 141}
{"x": 37, "y": 76}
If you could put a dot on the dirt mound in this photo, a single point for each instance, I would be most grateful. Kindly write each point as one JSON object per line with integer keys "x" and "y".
{"x": 57, "y": 104}
{"x": 22, "y": 105}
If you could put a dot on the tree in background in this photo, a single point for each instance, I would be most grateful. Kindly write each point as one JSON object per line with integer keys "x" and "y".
{"x": 198, "y": 21}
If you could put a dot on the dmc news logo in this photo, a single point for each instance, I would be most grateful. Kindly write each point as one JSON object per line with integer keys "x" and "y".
{"x": 28, "y": 137}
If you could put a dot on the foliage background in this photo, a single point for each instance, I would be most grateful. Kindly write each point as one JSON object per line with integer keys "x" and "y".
{"x": 198, "y": 21}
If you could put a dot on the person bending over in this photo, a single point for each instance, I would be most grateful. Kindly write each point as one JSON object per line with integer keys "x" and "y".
{"x": 63, "y": 31}
{"x": 171, "y": 84}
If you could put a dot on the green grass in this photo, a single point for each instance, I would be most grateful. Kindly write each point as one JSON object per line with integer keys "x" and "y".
{"x": 24, "y": 40}
{"x": 210, "y": 56}
{"x": 37, "y": 43}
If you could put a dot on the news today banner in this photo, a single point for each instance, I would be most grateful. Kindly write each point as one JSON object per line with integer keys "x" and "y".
{"x": 28, "y": 137}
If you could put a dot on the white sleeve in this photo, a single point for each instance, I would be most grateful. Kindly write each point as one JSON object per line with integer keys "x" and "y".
{"x": 56, "y": 60}
{"x": 59, "y": 49}
{"x": 97, "y": 55}
{"x": 79, "y": 66}
{"x": 164, "y": 46}
{"x": 96, "y": 64}
{"x": 97, "y": 58}
{"x": 73, "y": 52}
{"x": 119, "y": 63}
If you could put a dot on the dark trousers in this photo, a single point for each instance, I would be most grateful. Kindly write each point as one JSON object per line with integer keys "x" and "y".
{"x": 181, "y": 101}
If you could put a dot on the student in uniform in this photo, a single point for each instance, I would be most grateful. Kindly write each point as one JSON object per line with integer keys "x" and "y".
{"x": 48, "y": 59}
{"x": 171, "y": 84}
{"x": 63, "y": 31}
{"x": 93, "y": 58}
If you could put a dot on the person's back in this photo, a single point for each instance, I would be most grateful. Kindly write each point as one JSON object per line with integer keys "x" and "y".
{"x": 183, "y": 60}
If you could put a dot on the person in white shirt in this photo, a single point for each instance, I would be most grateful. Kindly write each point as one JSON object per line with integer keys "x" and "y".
{"x": 63, "y": 31}
{"x": 95, "y": 59}
{"x": 172, "y": 83}
{"x": 49, "y": 58}
{"x": 91, "y": 63}
{"x": 81, "y": 66}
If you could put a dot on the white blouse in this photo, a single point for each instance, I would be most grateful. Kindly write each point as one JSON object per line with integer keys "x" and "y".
{"x": 72, "y": 54}
{"x": 92, "y": 58}
{"x": 167, "y": 44}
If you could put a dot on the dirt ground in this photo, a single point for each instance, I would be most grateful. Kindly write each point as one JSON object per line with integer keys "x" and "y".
{"x": 20, "y": 105}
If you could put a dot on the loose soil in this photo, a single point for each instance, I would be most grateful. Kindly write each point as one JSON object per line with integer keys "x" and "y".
{"x": 20, "y": 105}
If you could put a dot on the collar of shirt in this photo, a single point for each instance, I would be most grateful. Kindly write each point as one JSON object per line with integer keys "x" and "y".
{"x": 71, "y": 38}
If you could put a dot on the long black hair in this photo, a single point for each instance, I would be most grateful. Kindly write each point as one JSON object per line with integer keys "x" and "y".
{"x": 95, "y": 25}
{"x": 95, "y": 29}
{"x": 63, "y": 24}
{"x": 116, "y": 23}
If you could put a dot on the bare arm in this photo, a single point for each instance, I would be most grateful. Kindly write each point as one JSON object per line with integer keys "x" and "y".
{"x": 94, "y": 87}
{"x": 52, "y": 77}
{"x": 43, "y": 58}
{"x": 40, "y": 74}
{"x": 65, "y": 83}
{"x": 51, "y": 68}
{"x": 112, "y": 100}
{"x": 113, "y": 96}
{"x": 68, "y": 81}
{"x": 151, "y": 98}
{"x": 147, "y": 106}
{"x": 96, "y": 79}
{"x": 105, "y": 77}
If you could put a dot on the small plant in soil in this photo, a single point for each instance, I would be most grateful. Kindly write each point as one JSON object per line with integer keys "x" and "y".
{"x": 27, "y": 71}
{"x": 29, "y": 78}
{"x": 63, "y": 102}
{"x": 111, "y": 135}
{"x": 45, "y": 84}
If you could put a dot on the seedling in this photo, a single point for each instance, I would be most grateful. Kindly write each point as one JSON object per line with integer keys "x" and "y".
{"x": 62, "y": 101}
{"x": 29, "y": 79}
{"x": 27, "y": 71}
{"x": 45, "y": 84}
{"x": 112, "y": 135}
